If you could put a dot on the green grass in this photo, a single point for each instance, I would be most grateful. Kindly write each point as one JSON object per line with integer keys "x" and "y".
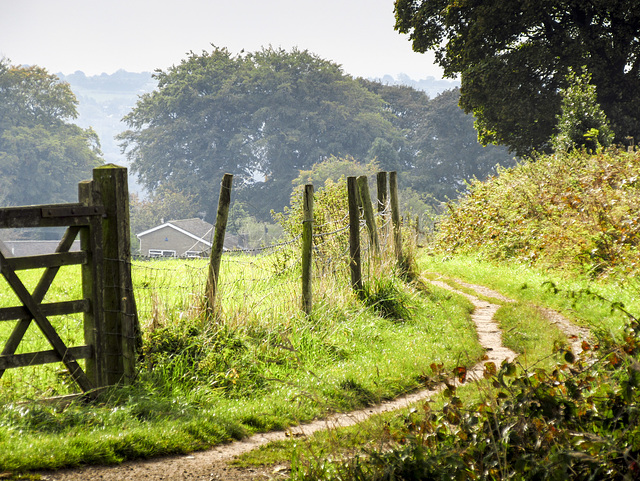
{"x": 263, "y": 365}
{"x": 589, "y": 302}
{"x": 525, "y": 330}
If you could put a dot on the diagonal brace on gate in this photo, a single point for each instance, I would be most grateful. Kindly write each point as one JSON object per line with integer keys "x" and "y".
{"x": 33, "y": 307}
{"x": 38, "y": 295}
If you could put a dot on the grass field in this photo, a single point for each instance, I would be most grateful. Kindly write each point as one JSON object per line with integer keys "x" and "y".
{"x": 262, "y": 365}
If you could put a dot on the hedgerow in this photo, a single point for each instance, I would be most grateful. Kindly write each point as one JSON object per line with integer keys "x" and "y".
{"x": 575, "y": 211}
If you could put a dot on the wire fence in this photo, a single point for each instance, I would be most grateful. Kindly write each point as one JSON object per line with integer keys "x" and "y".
{"x": 258, "y": 283}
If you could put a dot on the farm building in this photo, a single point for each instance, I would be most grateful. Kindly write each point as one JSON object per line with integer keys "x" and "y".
{"x": 182, "y": 238}
{"x": 177, "y": 238}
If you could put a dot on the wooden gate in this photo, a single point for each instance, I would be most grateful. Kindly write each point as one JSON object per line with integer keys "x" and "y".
{"x": 111, "y": 333}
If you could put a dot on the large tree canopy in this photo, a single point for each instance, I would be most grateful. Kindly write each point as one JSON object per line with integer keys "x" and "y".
{"x": 42, "y": 155}
{"x": 262, "y": 116}
{"x": 513, "y": 58}
{"x": 440, "y": 152}
{"x": 266, "y": 116}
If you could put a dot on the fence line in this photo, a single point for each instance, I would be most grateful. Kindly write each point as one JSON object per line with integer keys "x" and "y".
{"x": 249, "y": 275}
{"x": 166, "y": 290}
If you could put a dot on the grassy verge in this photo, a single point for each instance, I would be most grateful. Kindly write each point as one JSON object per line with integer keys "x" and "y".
{"x": 262, "y": 366}
{"x": 593, "y": 303}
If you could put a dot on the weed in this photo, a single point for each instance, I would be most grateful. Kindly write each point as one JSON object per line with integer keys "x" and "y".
{"x": 571, "y": 211}
{"x": 387, "y": 298}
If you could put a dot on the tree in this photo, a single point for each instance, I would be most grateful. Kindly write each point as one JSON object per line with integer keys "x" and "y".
{"x": 262, "y": 116}
{"x": 582, "y": 122}
{"x": 409, "y": 109}
{"x": 334, "y": 168}
{"x": 513, "y": 58}
{"x": 450, "y": 154}
{"x": 42, "y": 155}
{"x": 163, "y": 205}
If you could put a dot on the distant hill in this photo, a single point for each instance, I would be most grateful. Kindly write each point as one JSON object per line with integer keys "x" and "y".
{"x": 105, "y": 99}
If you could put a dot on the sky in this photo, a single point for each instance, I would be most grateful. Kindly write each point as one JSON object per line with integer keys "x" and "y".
{"x": 96, "y": 37}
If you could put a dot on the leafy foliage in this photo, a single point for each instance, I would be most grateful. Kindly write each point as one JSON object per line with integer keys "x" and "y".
{"x": 162, "y": 205}
{"x": 577, "y": 420}
{"x": 570, "y": 210}
{"x": 266, "y": 114}
{"x": 451, "y": 155}
{"x": 582, "y": 122}
{"x": 42, "y": 155}
{"x": 513, "y": 57}
{"x": 440, "y": 152}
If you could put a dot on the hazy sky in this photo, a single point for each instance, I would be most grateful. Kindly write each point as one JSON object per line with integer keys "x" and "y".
{"x": 142, "y": 35}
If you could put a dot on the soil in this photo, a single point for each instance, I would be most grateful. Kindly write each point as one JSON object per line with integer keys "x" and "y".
{"x": 214, "y": 464}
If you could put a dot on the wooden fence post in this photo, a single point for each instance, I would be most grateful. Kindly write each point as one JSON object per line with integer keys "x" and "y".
{"x": 354, "y": 235}
{"x": 395, "y": 216}
{"x": 307, "y": 247}
{"x": 363, "y": 187}
{"x": 218, "y": 242}
{"x": 121, "y": 327}
{"x": 381, "y": 183}
{"x": 93, "y": 287}
{"x": 382, "y": 191}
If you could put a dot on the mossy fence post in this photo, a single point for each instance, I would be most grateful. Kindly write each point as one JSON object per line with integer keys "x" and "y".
{"x": 217, "y": 245}
{"x": 383, "y": 196}
{"x": 121, "y": 327}
{"x": 365, "y": 198}
{"x": 354, "y": 234}
{"x": 381, "y": 184}
{"x": 395, "y": 217}
{"x": 307, "y": 249}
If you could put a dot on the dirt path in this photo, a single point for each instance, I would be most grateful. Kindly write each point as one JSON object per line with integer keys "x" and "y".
{"x": 213, "y": 464}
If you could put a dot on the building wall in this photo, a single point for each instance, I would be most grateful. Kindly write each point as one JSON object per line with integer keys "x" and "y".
{"x": 168, "y": 239}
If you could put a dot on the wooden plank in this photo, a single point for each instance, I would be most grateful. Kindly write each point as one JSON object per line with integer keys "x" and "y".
{"x": 38, "y": 293}
{"x": 93, "y": 287}
{"x": 47, "y": 260}
{"x": 45, "y": 326}
{"x": 42, "y": 357}
{"x": 37, "y": 216}
{"x": 72, "y": 211}
{"x": 52, "y": 309}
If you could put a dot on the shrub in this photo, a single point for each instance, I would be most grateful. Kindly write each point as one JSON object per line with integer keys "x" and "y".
{"x": 568, "y": 210}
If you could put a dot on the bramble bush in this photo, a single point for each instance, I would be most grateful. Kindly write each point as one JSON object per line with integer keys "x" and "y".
{"x": 571, "y": 210}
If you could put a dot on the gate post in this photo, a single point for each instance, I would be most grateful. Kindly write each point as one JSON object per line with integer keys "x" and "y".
{"x": 93, "y": 287}
{"x": 121, "y": 327}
